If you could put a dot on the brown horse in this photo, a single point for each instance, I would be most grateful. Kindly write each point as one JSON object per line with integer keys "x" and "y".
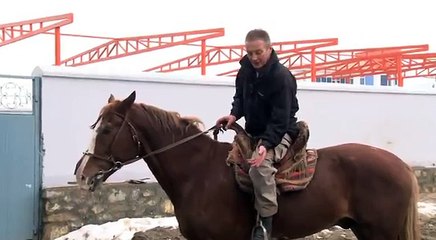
{"x": 355, "y": 186}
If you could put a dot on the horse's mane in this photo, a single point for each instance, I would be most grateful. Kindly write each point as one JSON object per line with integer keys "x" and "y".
{"x": 170, "y": 120}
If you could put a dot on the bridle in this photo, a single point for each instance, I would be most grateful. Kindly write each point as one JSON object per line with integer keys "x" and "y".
{"x": 116, "y": 164}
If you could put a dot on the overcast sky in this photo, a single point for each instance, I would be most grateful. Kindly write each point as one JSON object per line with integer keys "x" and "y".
{"x": 357, "y": 24}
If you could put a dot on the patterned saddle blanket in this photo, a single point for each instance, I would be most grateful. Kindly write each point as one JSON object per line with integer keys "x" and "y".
{"x": 294, "y": 171}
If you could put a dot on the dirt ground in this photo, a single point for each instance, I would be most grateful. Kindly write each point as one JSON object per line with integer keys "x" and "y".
{"x": 428, "y": 226}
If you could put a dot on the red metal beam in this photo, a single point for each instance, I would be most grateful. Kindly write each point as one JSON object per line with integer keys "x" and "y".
{"x": 422, "y": 60}
{"x": 361, "y": 62}
{"x": 397, "y": 67}
{"x": 379, "y": 62}
{"x": 16, "y": 31}
{"x": 351, "y": 69}
{"x": 70, "y": 35}
{"x": 123, "y": 47}
{"x": 304, "y": 60}
{"x": 354, "y": 69}
{"x": 312, "y": 64}
{"x": 228, "y": 54}
{"x": 428, "y": 71}
{"x": 231, "y": 73}
{"x": 337, "y": 57}
{"x": 417, "y": 65}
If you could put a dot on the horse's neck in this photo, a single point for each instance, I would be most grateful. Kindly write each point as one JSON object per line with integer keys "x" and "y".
{"x": 183, "y": 169}
{"x": 183, "y": 166}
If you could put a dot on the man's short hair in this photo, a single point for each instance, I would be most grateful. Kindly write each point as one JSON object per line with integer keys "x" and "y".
{"x": 258, "y": 34}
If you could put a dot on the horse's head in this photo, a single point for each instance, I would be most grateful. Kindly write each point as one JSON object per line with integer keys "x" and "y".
{"x": 111, "y": 144}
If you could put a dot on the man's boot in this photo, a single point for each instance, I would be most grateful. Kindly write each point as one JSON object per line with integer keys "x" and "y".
{"x": 263, "y": 230}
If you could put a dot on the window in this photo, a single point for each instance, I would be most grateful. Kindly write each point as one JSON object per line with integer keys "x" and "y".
{"x": 333, "y": 80}
{"x": 366, "y": 80}
{"x": 320, "y": 79}
{"x": 369, "y": 80}
{"x": 384, "y": 80}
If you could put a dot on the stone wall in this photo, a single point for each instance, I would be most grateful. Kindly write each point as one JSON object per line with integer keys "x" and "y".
{"x": 426, "y": 179}
{"x": 68, "y": 208}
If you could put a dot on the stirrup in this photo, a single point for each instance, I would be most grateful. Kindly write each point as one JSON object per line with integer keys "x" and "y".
{"x": 259, "y": 224}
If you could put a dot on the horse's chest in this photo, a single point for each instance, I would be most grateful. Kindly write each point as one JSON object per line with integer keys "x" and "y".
{"x": 192, "y": 227}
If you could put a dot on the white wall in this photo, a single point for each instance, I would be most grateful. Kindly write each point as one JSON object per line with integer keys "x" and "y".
{"x": 398, "y": 120}
{"x": 421, "y": 82}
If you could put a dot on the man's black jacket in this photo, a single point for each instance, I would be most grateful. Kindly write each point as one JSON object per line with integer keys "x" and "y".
{"x": 267, "y": 100}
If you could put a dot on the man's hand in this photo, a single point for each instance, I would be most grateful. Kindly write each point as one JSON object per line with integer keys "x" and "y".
{"x": 227, "y": 120}
{"x": 255, "y": 162}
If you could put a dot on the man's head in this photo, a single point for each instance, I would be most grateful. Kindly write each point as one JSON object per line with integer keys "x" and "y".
{"x": 258, "y": 46}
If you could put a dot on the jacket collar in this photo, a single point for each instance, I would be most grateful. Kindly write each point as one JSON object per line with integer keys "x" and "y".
{"x": 245, "y": 62}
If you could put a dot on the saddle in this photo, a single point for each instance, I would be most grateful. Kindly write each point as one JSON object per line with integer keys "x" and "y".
{"x": 294, "y": 171}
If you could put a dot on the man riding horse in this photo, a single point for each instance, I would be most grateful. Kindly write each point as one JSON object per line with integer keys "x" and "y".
{"x": 265, "y": 96}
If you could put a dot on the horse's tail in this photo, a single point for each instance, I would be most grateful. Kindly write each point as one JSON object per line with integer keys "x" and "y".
{"x": 411, "y": 227}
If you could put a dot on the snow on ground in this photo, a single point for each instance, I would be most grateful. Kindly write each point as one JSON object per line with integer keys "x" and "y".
{"x": 428, "y": 209}
{"x": 124, "y": 228}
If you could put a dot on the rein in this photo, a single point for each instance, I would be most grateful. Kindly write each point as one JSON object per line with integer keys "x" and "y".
{"x": 187, "y": 139}
{"x": 118, "y": 165}
{"x": 172, "y": 145}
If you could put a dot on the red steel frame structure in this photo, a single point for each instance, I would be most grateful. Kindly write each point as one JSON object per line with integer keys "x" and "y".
{"x": 228, "y": 54}
{"x": 418, "y": 65}
{"x": 16, "y": 31}
{"x": 123, "y": 47}
{"x": 397, "y": 66}
{"x": 305, "y": 57}
{"x": 352, "y": 63}
{"x": 397, "y": 62}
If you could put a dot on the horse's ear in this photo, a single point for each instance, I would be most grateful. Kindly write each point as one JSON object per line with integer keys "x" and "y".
{"x": 126, "y": 103}
{"x": 111, "y": 98}
{"x": 131, "y": 97}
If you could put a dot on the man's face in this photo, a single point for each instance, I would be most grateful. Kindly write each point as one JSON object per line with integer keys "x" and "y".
{"x": 258, "y": 52}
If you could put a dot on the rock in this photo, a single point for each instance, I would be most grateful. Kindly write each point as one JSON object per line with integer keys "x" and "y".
{"x": 159, "y": 233}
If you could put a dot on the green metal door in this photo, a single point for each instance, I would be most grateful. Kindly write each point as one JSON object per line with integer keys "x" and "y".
{"x": 20, "y": 157}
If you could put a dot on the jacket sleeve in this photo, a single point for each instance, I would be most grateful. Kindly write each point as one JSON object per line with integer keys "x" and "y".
{"x": 281, "y": 100}
{"x": 237, "y": 104}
